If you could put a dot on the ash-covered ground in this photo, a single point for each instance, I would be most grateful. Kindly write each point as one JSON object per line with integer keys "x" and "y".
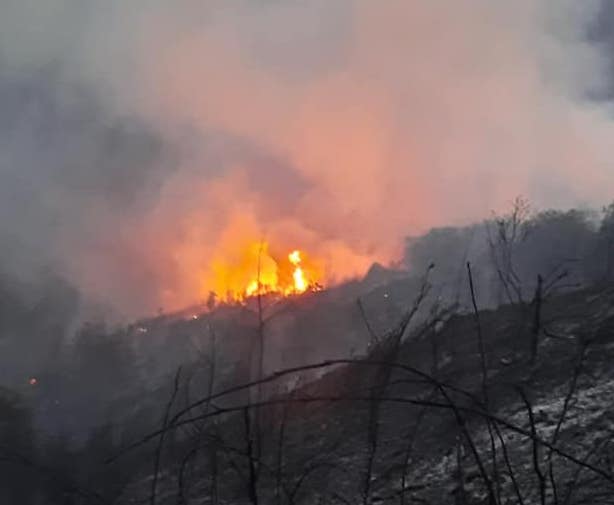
{"x": 473, "y": 379}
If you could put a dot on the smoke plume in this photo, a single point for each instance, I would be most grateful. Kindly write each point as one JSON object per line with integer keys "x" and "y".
{"x": 143, "y": 141}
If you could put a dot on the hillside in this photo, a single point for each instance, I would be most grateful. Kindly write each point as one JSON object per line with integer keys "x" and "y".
{"x": 410, "y": 424}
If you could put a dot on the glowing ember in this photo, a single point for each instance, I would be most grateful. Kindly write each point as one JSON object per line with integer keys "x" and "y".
{"x": 255, "y": 271}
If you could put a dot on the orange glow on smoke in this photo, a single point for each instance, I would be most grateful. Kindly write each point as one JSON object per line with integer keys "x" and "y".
{"x": 256, "y": 271}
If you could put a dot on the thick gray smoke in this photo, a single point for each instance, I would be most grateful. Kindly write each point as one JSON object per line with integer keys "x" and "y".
{"x": 140, "y": 141}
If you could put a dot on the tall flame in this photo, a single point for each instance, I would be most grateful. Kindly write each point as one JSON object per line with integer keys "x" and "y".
{"x": 300, "y": 282}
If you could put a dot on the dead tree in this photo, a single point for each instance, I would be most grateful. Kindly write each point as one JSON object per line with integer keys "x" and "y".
{"x": 386, "y": 351}
{"x": 505, "y": 233}
{"x": 158, "y": 453}
{"x": 537, "y": 319}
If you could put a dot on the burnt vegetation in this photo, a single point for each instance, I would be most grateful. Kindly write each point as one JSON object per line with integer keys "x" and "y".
{"x": 484, "y": 377}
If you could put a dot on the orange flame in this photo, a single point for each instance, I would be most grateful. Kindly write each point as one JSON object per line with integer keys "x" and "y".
{"x": 255, "y": 271}
{"x": 300, "y": 282}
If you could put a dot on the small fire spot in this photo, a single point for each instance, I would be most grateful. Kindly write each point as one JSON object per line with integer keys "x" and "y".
{"x": 33, "y": 381}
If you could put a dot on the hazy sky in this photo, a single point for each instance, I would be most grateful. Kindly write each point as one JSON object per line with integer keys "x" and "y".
{"x": 141, "y": 141}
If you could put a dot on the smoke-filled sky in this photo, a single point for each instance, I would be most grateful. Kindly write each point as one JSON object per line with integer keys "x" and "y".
{"x": 143, "y": 141}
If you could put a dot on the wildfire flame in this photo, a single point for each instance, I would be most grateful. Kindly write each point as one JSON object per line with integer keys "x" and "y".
{"x": 300, "y": 282}
{"x": 257, "y": 272}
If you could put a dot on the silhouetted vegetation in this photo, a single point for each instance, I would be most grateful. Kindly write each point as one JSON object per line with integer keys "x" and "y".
{"x": 435, "y": 400}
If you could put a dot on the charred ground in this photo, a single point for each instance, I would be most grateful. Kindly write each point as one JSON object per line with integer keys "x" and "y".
{"x": 396, "y": 389}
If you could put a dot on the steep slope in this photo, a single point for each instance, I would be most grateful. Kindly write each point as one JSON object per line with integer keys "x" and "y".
{"x": 412, "y": 425}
